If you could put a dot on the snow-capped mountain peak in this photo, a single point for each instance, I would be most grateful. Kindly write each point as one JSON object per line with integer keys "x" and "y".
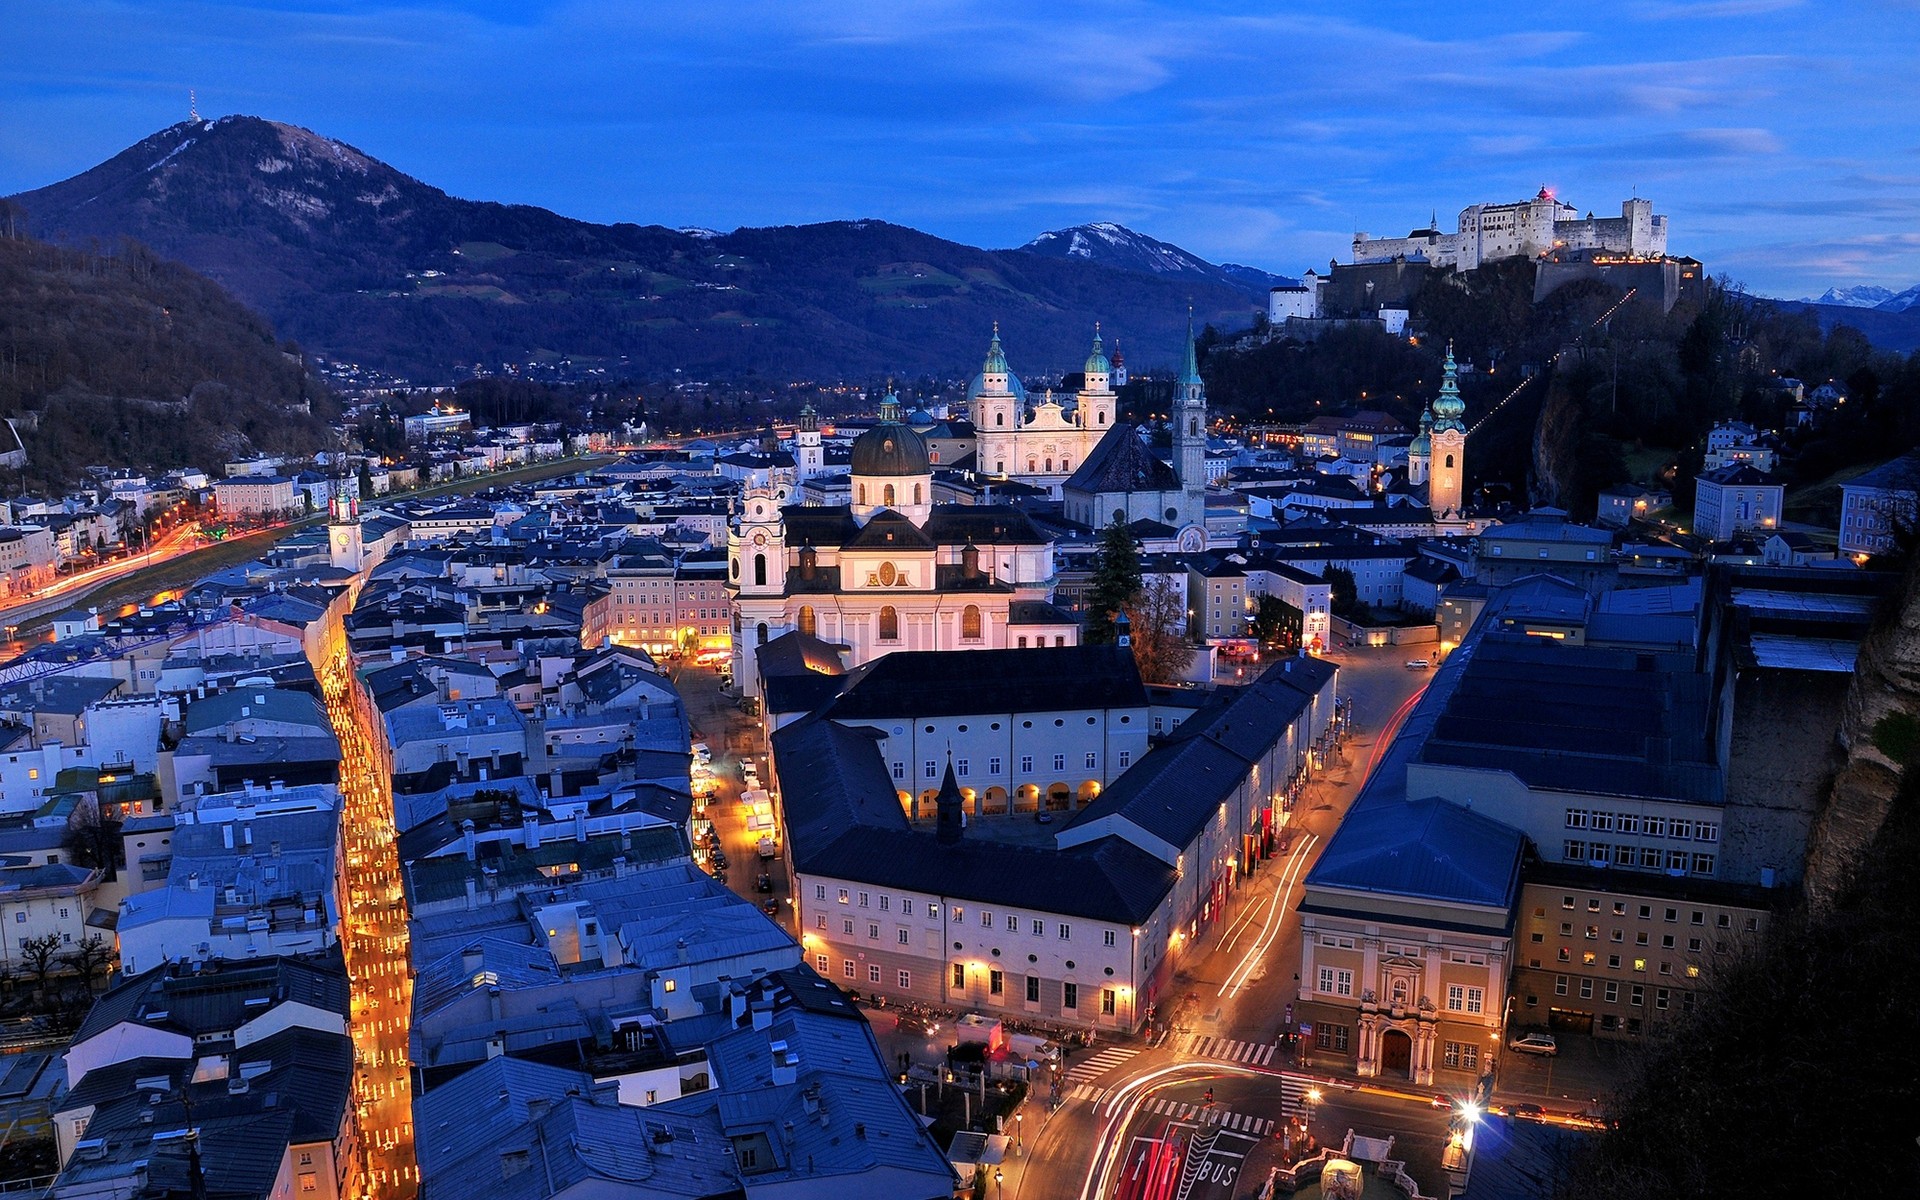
{"x": 1114, "y": 245}
{"x": 1865, "y": 295}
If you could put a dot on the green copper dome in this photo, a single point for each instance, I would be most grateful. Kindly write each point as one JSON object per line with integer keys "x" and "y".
{"x": 890, "y": 448}
{"x": 1448, "y": 407}
{"x": 1422, "y": 442}
{"x": 1097, "y": 358}
{"x": 996, "y": 357}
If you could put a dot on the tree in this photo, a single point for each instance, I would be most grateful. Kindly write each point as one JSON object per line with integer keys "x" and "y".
{"x": 366, "y": 480}
{"x": 93, "y": 836}
{"x": 86, "y": 959}
{"x": 1115, "y": 582}
{"x": 1157, "y": 614}
{"x": 40, "y": 954}
{"x": 1345, "y": 594}
{"x": 1277, "y": 623}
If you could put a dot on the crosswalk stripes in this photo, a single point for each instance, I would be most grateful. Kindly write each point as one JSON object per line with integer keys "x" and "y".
{"x": 1106, "y": 1060}
{"x": 1207, "y": 1116}
{"x": 1252, "y": 1054}
{"x": 1085, "y": 1091}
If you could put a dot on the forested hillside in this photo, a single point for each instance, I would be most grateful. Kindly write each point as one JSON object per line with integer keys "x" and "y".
{"x": 125, "y": 359}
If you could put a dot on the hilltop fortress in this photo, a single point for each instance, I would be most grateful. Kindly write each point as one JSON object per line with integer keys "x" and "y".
{"x": 1528, "y": 229}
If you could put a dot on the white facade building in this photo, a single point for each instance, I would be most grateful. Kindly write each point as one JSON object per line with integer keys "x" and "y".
{"x": 1527, "y": 229}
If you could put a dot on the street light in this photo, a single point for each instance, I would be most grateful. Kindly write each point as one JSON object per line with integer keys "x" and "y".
{"x": 1313, "y": 1098}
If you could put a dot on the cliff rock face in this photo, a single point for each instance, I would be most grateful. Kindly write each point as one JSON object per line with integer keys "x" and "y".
{"x": 1880, "y": 735}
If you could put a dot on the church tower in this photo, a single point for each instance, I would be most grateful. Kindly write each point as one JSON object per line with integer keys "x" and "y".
{"x": 757, "y": 546}
{"x": 1095, "y": 403}
{"x": 1190, "y": 436}
{"x": 1448, "y": 466}
{"x": 343, "y": 530}
{"x": 1420, "y": 450}
{"x": 996, "y": 412}
{"x": 808, "y": 457}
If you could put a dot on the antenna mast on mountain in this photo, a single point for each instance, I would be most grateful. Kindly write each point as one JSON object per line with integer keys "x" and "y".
{"x": 193, "y": 106}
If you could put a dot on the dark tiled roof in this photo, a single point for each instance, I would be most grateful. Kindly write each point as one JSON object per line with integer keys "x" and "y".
{"x": 923, "y": 683}
{"x": 214, "y": 999}
{"x": 1431, "y": 848}
{"x": 887, "y": 529}
{"x": 1120, "y": 462}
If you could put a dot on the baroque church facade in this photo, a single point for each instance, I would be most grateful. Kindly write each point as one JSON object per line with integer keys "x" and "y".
{"x": 1038, "y": 443}
{"x": 892, "y": 569}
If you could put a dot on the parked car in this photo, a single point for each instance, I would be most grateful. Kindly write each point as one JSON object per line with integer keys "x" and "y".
{"x": 764, "y": 883}
{"x": 770, "y": 906}
{"x": 767, "y": 847}
{"x": 1535, "y": 1043}
{"x": 1527, "y": 1112}
{"x": 1418, "y": 664}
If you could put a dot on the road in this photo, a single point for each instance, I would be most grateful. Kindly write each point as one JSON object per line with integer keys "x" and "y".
{"x": 1131, "y": 1122}
{"x": 374, "y": 936}
{"x": 71, "y": 589}
{"x": 733, "y": 738}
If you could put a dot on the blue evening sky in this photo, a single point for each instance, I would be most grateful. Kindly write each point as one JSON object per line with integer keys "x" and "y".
{"x": 1781, "y": 138}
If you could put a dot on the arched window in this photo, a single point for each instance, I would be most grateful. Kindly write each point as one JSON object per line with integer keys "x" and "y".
{"x": 1120, "y": 514}
{"x": 970, "y": 622}
{"x": 1032, "y": 466}
{"x": 863, "y": 493}
{"x": 889, "y": 623}
{"x": 886, "y": 496}
{"x": 759, "y": 570}
{"x": 1449, "y": 462}
{"x": 806, "y": 619}
{"x": 1000, "y": 418}
{"x": 999, "y": 468}
{"x": 1049, "y": 466}
{"x": 1066, "y": 466}
{"x": 1102, "y": 418}
{"x": 1193, "y": 426}
{"x": 933, "y": 456}
{"x": 762, "y": 632}
{"x": 736, "y": 568}
{"x": 916, "y": 493}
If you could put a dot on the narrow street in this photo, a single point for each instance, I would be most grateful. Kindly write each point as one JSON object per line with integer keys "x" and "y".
{"x": 1134, "y": 1112}
{"x": 374, "y": 937}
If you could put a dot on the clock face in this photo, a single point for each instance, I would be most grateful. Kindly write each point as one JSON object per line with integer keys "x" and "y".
{"x": 759, "y": 539}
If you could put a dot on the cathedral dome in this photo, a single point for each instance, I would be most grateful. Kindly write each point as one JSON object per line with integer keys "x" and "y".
{"x": 1448, "y": 407}
{"x": 1097, "y": 359}
{"x": 890, "y": 449}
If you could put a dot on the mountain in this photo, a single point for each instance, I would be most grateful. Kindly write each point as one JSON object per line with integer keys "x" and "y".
{"x": 1900, "y": 302}
{"x": 1866, "y": 295}
{"x": 363, "y": 263}
{"x": 1114, "y": 245}
{"x": 1889, "y": 328}
{"x": 131, "y": 360}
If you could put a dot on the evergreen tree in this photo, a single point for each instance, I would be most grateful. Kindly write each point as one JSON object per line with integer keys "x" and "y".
{"x": 1115, "y": 582}
{"x": 1277, "y": 623}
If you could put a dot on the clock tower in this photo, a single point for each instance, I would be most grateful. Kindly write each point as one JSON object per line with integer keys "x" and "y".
{"x": 343, "y": 530}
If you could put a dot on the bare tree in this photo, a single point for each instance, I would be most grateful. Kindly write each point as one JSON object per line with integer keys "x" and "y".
{"x": 88, "y": 957}
{"x": 1158, "y": 616}
{"x": 40, "y": 954}
{"x": 93, "y": 835}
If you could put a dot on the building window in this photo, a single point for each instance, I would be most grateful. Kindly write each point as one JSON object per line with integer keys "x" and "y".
{"x": 820, "y": 963}
{"x": 993, "y": 766}
{"x": 1013, "y": 923}
{"x": 1033, "y": 989}
{"x": 1613, "y": 992}
{"x": 807, "y": 620}
{"x": 1559, "y": 985}
{"x": 959, "y": 976}
{"x": 1476, "y": 999}
{"x": 889, "y": 623}
{"x": 846, "y": 967}
{"x": 1070, "y": 996}
{"x": 873, "y": 972}
{"x": 1093, "y": 760}
{"x": 899, "y": 770}
{"x": 1586, "y": 989}
{"x": 1066, "y": 933}
{"x": 873, "y": 931}
{"x": 900, "y": 935}
{"x": 846, "y": 926}
{"x": 986, "y": 919}
{"x": 1462, "y": 1056}
{"x": 1108, "y": 937}
{"x": 865, "y": 900}
{"x": 970, "y": 623}
{"x": 1039, "y": 927}
{"x": 843, "y": 895}
{"x": 1106, "y": 1002}
{"x": 906, "y": 980}
{"x": 1331, "y": 1037}
{"x": 1026, "y": 764}
{"x": 996, "y": 981}
{"x": 1126, "y": 758}
{"x": 1059, "y": 762}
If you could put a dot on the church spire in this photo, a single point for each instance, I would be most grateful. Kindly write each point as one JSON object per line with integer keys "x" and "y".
{"x": 996, "y": 357}
{"x": 1190, "y": 369}
{"x": 1448, "y": 407}
{"x": 950, "y": 808}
